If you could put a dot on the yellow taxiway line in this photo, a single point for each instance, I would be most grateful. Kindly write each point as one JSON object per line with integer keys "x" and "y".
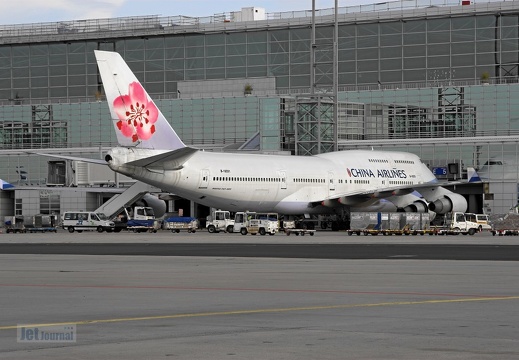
{"x": 263, "y": 311}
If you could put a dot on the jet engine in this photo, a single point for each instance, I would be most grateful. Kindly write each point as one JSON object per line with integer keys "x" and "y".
{"x": 447, "y": 203}
{"x": 419, "y": 206}
{"x": 159, "y": 206}
{"x": 412, "y": 202}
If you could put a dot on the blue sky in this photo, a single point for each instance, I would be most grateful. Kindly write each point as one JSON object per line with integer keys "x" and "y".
{"x": 36, "y": 11}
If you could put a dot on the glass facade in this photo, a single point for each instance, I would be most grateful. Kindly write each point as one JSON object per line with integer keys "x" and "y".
{"x": 403, "y": 50}
{"x": 440, "y": 112}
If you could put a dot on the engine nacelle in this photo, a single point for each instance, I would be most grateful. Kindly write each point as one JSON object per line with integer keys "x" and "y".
{"x": 158, "y": 205}
{"x": 447, "y": 203}
{"x": 419, "y": 206}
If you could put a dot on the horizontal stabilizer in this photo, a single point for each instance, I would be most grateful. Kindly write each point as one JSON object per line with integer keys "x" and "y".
{"x": 171, "y": 160}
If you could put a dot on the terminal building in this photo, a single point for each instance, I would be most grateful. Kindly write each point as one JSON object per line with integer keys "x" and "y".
{"x": 435, "y": 78}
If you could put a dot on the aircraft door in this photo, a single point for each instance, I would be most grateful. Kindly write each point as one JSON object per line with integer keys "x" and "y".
{"x": 283, "y": 179}
{"x": 204, "y": 179}
{"x": 331, "y": 181}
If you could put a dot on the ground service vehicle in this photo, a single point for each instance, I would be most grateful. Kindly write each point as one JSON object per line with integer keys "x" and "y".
{"x": 256, "y": 223}
{"x": 480, "y": 219}
{"x": 456, "y": 223}
{"x": 241, "y": 221}
{"x": 138, "y": 219}
{"x": 86, "y": 221}
{"x": 219, "y": 220}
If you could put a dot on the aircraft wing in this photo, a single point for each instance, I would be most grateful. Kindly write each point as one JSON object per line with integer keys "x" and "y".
{"x": 171, "y": 160}
{"x": 381, "y": 194}
{"x": 426, "y": 189}
{"x": 431, "y": 192}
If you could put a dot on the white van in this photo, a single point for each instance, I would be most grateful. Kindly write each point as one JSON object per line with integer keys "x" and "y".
{"x": 481, "y": 219}
{"x": 86, "y": 221}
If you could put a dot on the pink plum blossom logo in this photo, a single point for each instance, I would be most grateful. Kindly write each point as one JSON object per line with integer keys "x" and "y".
{"x": 136, "y": 114}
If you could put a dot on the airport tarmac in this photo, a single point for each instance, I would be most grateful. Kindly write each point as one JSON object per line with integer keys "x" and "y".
{"x": 202, "y": 236}
{"x": 225, "y": 307}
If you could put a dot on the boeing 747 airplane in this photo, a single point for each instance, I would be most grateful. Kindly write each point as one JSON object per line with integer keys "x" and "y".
{"x": 151, "y": 151}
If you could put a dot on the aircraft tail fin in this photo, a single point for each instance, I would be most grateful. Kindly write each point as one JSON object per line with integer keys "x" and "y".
{"x": 4, "y": 185}
{"x": 472, "y": 175}
{"x": 137, "y": 120}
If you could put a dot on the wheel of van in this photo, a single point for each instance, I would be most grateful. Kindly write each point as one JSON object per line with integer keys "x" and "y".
{"x": 100, "y": 229}
{"x": 243, "y": 231}
{"x": 472, "y": 231}
{"x": 262, "y": 231}
{"x": 211, "y": 229}
{"x": 80, "y": 231}
{"x": 230, "y": 229}
{"x": 177, "y": 231}
{"x": 70, "y": 229}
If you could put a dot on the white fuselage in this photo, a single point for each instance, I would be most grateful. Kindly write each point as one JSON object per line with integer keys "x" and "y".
{"x": 284, "y": 184}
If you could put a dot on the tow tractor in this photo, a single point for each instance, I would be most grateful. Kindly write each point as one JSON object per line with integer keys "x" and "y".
{"x": 220, "y": 220}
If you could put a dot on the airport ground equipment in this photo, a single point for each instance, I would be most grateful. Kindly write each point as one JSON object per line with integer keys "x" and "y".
{"x": 14, "y": 224}
{"x": 505, "y": 225}
{"x": 398, "y": 223}
{"x": 137, "y": 219}
{"x": 180, "y": 223}
{"x": 32, "y": 224}
{"x": 219, "y": 220}
{"x": 456, "y": 223}
{"x": 86, "y": 221}
{"x": 256, "y": 223}
{"x": 301, "y": 232}
{"x": 482, "y": 220}
{"x": 40, "y": 223}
